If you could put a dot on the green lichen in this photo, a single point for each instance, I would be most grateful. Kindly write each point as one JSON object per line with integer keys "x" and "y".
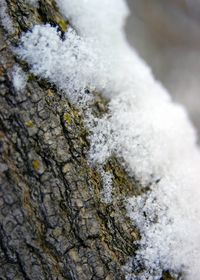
{"x": 29, "y": 124}
{"x": 67, "y": 118}
{"x": 36, "y": 164}
{"x": 63, "y": 25}
{"x": 31, "y": 77}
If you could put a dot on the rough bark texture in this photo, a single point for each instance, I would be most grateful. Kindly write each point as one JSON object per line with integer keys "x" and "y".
{"x": 53, "y": 223}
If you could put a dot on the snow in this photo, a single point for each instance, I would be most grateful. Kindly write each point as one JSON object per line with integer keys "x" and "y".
{"x": 150, "y": 134}
{"x": 19, "y": 78}
{"x": 66, "y": 63}
{"x": 5, "y": 18}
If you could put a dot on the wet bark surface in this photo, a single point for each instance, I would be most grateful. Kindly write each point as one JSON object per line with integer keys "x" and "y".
{"x": 53, "y": 222}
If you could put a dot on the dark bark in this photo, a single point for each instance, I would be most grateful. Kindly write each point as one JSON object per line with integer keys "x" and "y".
{"x": 53, "y": 223}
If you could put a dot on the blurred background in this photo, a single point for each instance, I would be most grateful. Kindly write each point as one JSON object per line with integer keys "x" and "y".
{"x": 166, "y": 34}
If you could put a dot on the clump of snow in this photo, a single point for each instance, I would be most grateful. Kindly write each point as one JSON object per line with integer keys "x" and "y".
{"x": 19, "y": 78}
{"x": 67, "y": 63}
{"x": 5, "y": 18}
{"x": 144, "y": 128}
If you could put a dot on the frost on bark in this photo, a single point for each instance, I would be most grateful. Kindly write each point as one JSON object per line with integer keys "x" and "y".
{"x": 53, "y": 222}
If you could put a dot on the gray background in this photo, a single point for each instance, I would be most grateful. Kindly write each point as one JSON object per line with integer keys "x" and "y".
{"x": 166, "y": 33}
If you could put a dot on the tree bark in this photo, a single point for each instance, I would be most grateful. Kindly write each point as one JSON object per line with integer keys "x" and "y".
{"x": 53, "y": 222}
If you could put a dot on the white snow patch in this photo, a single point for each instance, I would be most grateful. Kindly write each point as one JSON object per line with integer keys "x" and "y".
{"x": 19, "y": 78}
{"x": 5, "y": 18}
{"x": 144, "y": 128}
{"x": 66, "y": 63}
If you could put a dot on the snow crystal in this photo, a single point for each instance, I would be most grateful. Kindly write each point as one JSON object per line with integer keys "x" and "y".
{"x": 149, "y": 133}
{"x": 19, "y": 78}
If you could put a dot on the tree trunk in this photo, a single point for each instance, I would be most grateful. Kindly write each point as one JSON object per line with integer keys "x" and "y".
{"x": 53, "y": 222}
